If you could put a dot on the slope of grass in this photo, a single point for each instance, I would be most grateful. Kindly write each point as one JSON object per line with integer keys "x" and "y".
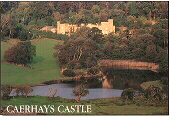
{"x": 46, "y": 67}
{"x": 146, "y": 85}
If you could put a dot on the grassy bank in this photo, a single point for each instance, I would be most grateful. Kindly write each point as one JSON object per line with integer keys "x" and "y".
{"x": 106, "y": 106}
{"x": 46, "y": 67}
{"x": 156, "y": 83}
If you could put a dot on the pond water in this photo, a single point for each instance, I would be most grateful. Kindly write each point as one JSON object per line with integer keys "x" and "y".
{"x": 65, "y": 91}
{"x": 111, "y": 85}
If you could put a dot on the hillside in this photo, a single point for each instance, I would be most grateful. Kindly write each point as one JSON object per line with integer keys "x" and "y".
{"x": 46, "y": 67}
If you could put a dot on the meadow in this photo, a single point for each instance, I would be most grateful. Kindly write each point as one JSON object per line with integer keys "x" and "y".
{"x": 106, "y": 106}
{"x": 46, "y": 67}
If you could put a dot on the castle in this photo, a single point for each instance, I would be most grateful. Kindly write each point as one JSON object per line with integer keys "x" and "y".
{"x": 65, "y": 28}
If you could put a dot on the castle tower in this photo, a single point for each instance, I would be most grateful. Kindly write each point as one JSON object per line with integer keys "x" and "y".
{"x": 111, "y": 25}
{"x": 58, "y": 27}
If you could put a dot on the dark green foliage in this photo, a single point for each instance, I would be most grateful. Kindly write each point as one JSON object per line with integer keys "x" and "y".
{"x": 128, "y": 94}
{"x": 17, "y": 31}
{"x": 75, "y": 65}
{"x": 133, "y": 9}
{"x": 91, "y": 61}
{"x": 44, "y": 34}
{"x": 79, "y": 50}
{"x": 93, "y": 70}
{"x": 22, "y": 53}
{"x": 49, "y": 34}
{"x": 164, "y": 80}
{"x": 6, "y": 90}
{"x": 161, "y": 36}
{"x": 48, "y": 13}
{"x": 153, "y": 93}
{"x": 119, "y": 17}
{"x": 62, "y": 37}
{"x": 164, "y": 65}
{"x": 5, "y": 32}
{"x": 4, "y": 39}
{"x": 96, "y": 35}
{"x": 69, "y": 73}
{"x": 25, "y": 35}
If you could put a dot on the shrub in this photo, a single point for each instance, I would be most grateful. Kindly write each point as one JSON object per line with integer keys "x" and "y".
{"x": 91, "y": 61}
{"x": 93, "y": 71}
{"x": 80, "y": 91}
{"x": 52, "y": 93}
{"x": 74, "y": 65}
{"x": 69, "y": 73}
{"x": 23, "y": 90}
{"x": 164, "y": 80}
{"x": 153, "y": 93}
{"x": 25, "y": 35}
{"x": 49, "y": 34}
{"x": 128, "y": 94}
{"x": 62, "y": 37}
{"x": 5, "y": 39}
{"x": 6, "y": 90}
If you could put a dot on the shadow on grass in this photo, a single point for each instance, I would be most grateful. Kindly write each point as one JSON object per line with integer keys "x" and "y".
{"x": 38, "y": 59}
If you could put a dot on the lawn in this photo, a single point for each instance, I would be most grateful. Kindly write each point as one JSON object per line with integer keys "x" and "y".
{"x": 106, "y": 106}
{"x": 157, "y": 83}
{"x": 46, "y": 67}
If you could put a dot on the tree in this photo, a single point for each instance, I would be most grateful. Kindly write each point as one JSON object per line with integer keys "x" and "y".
{"x": 25, "y": 35}
{"x": 22, "y": 53}
{"x": 52, "y": 93}
{"x": 108, "y": 49}
{"x": 119, "y": 17}
{"x": 6, "y": 90}
{"x": 151, "y": 52}
{"x": 104, "y": 15}
{"x": 96, "y": 9}
{"x": 133, "y": 9}
{"x": 80, "y": 91}
{"x": 23, "y": 90}
{"x": 161, "y": 37}
{"x": 164, "y": 65}
{"x": 128, "y": 94}
{"x": 69, "y": 73}
{"x": 95, "y": 34}
{"x": 153, "y": 92}
{"x": 82, "y": 32}
{"x": 78, "y": 50}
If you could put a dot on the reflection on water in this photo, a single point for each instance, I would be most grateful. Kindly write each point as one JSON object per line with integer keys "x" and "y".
{"x": 107, "y": 82}
{"x": 117, "y": 78}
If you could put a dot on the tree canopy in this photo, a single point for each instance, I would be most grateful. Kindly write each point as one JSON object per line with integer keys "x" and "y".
{"x": 21, "y": 53}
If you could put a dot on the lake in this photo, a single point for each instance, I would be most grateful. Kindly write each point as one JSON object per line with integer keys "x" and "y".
{"x": 111, "y": 85}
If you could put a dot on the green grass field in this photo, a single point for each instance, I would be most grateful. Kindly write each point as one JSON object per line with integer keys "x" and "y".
{"x": 46, "y": 67}
{"x": 104, "y": 106}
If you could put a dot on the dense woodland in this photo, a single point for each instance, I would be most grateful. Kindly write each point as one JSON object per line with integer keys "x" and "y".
{"x": 148, "y": 22}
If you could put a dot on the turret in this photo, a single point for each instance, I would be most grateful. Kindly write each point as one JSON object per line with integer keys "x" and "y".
{"x": 58, "y": 27}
